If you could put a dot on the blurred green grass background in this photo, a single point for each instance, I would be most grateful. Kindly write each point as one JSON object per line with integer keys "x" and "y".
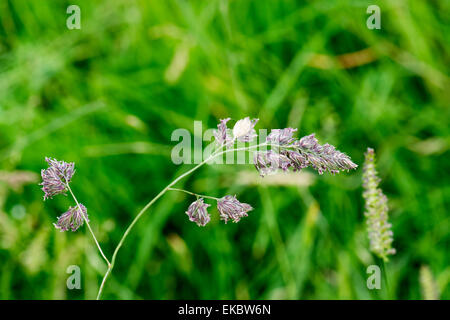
{"x": 109, "y": 95}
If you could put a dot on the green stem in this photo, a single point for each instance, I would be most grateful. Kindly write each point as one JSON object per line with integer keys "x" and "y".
{"x": 88, "y": 225}
{"x": 159, "y": 195}
{"x": 384, "y": 275}
{"x": 192, "y": 193}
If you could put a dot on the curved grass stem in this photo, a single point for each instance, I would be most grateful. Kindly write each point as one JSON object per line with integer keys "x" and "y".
{"x": 192, "y": 193}
{"x": 159, "y": 195}
{"x": 89, "y": 226}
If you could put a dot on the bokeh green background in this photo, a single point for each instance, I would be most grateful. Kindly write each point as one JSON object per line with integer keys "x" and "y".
{"x": 109, "y": 96}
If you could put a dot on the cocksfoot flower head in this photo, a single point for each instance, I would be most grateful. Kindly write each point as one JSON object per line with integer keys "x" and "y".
{"x": 197, "y": 213}
{"x": 56, "y": 177}
{"x": 231, "y": 209}
{"x": 72, "y": 219}
{"x": 378, "y": 227}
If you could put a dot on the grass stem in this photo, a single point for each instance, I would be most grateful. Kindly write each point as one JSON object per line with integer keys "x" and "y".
{"x": 192, "y": 193}
{"x": 88, "y": 225}
{"x": 159, "y": 195}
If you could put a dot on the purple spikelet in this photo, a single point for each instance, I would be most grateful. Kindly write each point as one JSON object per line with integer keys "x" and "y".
{"x": 222, "y": 134}
{"x": 269, "y": 162}
{"x": 298, "y": 154}
{"x": 197, "y": 213}
{"x": 56, "y": 176}
{"x": 281, "y": 136}
{"x": 231, "y": 209}
{"x": 72, "y": 219}
{"x": 323, "y": 158}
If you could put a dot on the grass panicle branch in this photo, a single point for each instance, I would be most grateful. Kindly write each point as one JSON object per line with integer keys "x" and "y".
{"x": 286, "y": 152}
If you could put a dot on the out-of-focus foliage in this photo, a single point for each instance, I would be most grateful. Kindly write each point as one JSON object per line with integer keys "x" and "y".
{"x": 109, "y": 95}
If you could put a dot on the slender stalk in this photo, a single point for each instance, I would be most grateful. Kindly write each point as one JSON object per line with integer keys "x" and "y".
{"x": 159, "y": 195}
{"x": 192, "y": 193}
{"x": 103, "y": 281}
{"x": 384, "y": 274}
{"x": 88, "y": 225}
